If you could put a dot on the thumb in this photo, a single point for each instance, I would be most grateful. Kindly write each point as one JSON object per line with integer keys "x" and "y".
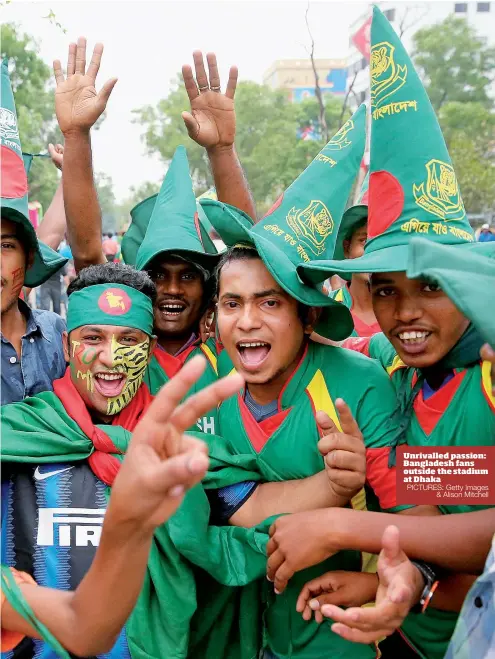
{"x": 191, "y": 124}
{"x": 391, "y": 550}
{"x": 347, "y": 421}
{"x": 325, "y": 423}
{"x": 106, "y": 90}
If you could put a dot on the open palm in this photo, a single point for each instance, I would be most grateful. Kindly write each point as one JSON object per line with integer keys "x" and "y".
{"x": 77, "y": 103}
{"x": 211, "y": 121}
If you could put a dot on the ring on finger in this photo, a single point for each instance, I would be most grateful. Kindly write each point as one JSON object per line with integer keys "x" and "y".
{"x": 204, "y": 89}
{"x": 215, "y": 89}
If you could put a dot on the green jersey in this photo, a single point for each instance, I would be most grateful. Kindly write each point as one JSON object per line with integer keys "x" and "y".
{"x": 284, "y": 447}
{"x": 460, "y": 413}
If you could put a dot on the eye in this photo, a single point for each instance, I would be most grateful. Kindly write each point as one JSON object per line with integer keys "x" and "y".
{"x": 8, "y": 245}
{"x": 189, "y": 276}
{"x": 128, "y": 340}
{"x": 92, "y": 338}
{"x": 431, "y": 288}
{"x": 231, "y": 304}
{"x": 157, "y": 276}
{"x": 386, "y": 291}
{"x": 271, "y": 304}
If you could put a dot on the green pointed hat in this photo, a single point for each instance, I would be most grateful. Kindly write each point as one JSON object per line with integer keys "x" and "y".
{"x": 14, "y": 189}
{"x": 174, "y": 226}
{"x": 413, "y": 189}
{"x": 302, "y": 224}
{"x": 467, "y": 276}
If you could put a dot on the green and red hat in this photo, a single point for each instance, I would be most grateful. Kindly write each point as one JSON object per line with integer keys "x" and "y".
{"x": 302, "y": 224}
{"x": 413, "y": 190}
{"x": 14, "y": 189}
{"x": 169, "y": 222}
{"x": 467, "y": 276}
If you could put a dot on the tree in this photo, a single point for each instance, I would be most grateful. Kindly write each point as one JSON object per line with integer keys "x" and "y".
{"x": 266, "y": 140}
{"x": 106, "y": 197}
{"x": 456, "y": 63}
{"x": 469, "y": 131}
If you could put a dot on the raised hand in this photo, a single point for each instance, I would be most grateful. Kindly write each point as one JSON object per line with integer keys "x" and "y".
{"x": 57, "y": 155}
{"x": 400, "y": 587}
{"x": 77, "y": 103}
{"x": 340, "y": 588}
{"x": 343, "y": 450}
{"x": 162, "y": 462}
{"x": 211, "y": 121}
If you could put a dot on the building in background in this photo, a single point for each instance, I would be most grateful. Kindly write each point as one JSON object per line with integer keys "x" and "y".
{"x": 297, "y": 77}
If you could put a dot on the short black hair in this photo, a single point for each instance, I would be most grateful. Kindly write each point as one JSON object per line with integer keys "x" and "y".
{"x": 109, "y": 235}
{"x": 250, "y": 254}
{"x": 113, "y": 273}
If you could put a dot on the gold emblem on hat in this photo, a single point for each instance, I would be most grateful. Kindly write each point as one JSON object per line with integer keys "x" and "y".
{"x": 339, "y": 140}
{"x": 312, "y": 225}
{"x": 442, "y": 197}
{"x": 387, "y": 77}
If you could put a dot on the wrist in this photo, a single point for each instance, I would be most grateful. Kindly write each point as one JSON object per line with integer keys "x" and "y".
{"x": 76, "y": 135}
{"x": 336, "y": 532}
{"x": 221, "y": 150}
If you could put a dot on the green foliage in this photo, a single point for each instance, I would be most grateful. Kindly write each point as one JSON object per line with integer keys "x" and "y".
{"x": 266, "y": 139}
{"x": 457, "y": 63}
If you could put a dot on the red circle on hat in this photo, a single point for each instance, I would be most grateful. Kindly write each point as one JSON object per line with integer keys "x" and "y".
{"x": 115, "y": 302}
{"x": 14, "y": 184}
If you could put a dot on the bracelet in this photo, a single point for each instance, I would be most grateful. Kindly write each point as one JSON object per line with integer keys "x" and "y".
{"x": 425, "y": 602}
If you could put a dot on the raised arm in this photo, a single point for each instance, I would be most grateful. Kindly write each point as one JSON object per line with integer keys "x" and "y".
{"x": 211, "y": 123}
{"x": 78, "y": 107}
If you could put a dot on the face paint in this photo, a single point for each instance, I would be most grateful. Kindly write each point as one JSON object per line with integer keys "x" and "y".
{"x": 88, "y": 376}
{"x": 131, "y": 360}
{"x": 75, "y": 345}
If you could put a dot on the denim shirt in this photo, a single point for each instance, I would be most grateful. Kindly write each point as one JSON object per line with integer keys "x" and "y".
{"x": 474, "y": 635}
{"x": 42, "y": 358}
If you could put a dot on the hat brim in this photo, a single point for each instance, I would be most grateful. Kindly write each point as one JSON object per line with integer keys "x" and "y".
{"x": 387, "y": 259}
{"x": 207, "y": 261}
{"x": 350, "y": 220}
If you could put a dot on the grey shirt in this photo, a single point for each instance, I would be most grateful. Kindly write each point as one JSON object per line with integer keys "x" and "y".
{"x": 42, "y": 358}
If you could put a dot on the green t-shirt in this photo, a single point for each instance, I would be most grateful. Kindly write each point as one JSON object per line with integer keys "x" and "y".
{"x": 284, "y": 447}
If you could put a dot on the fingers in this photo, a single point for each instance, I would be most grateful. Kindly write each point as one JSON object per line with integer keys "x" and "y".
{"x": 71, "y": 60}
{"x": 282, "y": 577}
{"x": 201, "y": 77}
{"x": 274, "y": 562}
{"x": 57, "y": 72}
{"x": 191, "y": 124}
{"x": 182, "y": 471}
{"x": 205, "y": 400}
{"x": 325, "y": 424}
{"x": 94, "y": 65}
{"x": 488, "y": 353}
{"x": 213, "y": 72}
{"x": 189, "y": 82}
{"x": 357, "y": 636}
{"x": 81, "y": 55}
{"x": 347, "y": 421}
{"x": 366, "y": 618}
{"x": 106, "y": 90}
{"x": 310, "y": 590}
{"x": 232, "y": 82}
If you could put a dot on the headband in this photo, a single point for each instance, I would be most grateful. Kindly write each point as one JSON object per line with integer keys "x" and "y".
{"x": 107, "y": 304}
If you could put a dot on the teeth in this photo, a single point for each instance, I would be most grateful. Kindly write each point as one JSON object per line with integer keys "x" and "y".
{"x": 109, "y": 376}
{"x": 253, "y": 344}
{"x": 413, "y": 336}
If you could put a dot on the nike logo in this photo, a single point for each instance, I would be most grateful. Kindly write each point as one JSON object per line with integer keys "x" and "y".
{"x": 38, "y": 476}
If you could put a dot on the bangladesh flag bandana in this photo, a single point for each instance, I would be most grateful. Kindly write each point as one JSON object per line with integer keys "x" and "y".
{"x": 103, "y": 304}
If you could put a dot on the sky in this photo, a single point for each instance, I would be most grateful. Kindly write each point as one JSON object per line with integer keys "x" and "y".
{"x": 147, "y": 42}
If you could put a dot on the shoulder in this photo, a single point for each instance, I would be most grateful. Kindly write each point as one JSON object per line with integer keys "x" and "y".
{"x": 49, "y": 321}
{"x": 338, "y": 359}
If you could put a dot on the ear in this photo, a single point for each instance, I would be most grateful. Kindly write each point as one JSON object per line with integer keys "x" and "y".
{"x": 313, "y": 316}
{"x": 346, "y": 243}
{"x": 29, "y": 259}
{"x": 65, "y": 343}
{"x": 152, "y": 347}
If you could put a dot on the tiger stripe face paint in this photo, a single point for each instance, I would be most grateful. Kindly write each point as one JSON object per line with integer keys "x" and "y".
{"x": 132, "y": 362}
{"x": 107, "y": 365}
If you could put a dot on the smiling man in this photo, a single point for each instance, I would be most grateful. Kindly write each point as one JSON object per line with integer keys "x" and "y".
{"x": 298, "y": 392}
{"x": 428, "y": 347}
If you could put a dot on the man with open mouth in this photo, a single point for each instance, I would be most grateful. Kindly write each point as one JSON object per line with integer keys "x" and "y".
{"x": 166, "y": 237}
{"x": 297, "y": 391}
{"x": 428, "y": 347}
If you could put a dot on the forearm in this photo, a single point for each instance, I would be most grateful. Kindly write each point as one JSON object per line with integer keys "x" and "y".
{"x": 230, "y": 182}
{"x": 455, "y": 542}
{"x": 87, "y": 621}
{"x": 81, "y": 202}
{"x": 52, "y": 229}
{"x": 293, "y": 496}
{"x": 452, "y": 591}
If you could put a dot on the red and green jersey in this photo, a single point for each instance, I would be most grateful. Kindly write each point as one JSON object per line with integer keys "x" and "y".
{"x": 284, "y": 447}
{"x": 360, "y": 327}
{"x": 460, "y": 413}
{"x": 164, "y": 366}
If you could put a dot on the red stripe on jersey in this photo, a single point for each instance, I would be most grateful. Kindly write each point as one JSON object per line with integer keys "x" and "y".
{"x": 381, "y": 477}
{"x": 259, "y": 433}
{"x": 430, "y": 411}
{"x": 359, "y": 344}
{"x": 171, "y": 364}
